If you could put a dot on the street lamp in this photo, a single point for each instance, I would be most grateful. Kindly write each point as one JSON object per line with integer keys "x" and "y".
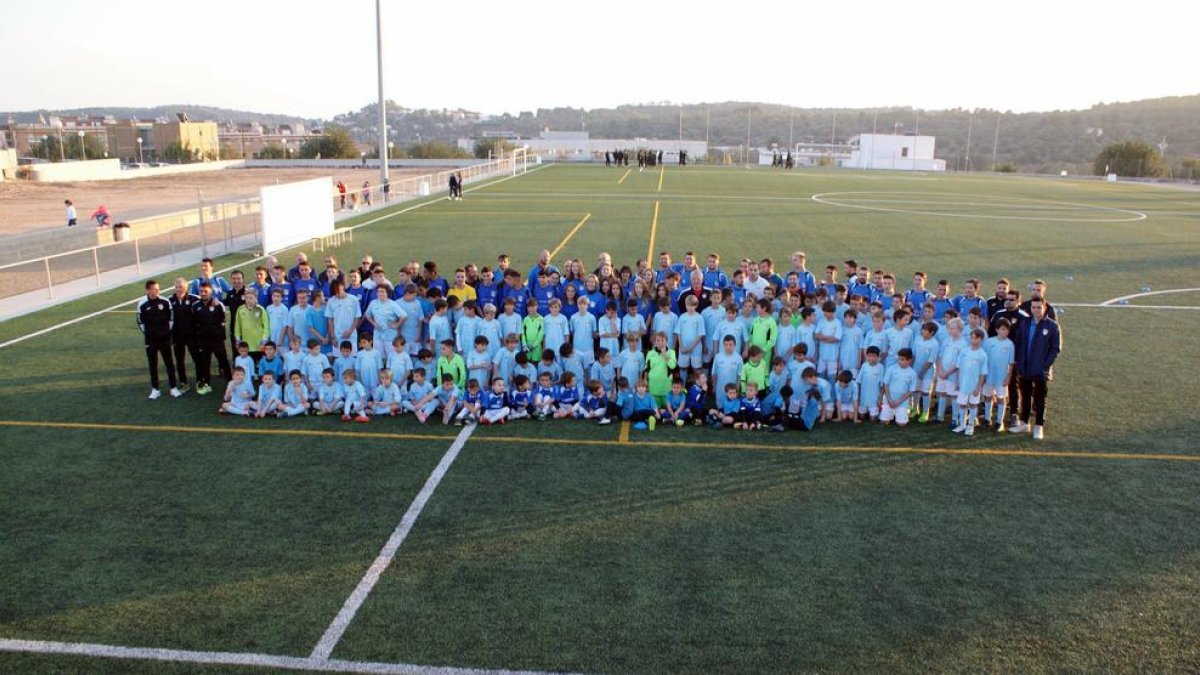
{"x": 139, "y": 142}
{"x": 390, "y": 146}
{"x": 46, "y": 145}
{"x": 82, "y": 150}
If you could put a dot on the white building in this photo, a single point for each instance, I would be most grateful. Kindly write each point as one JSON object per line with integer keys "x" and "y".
{"x": 580, "y": 146}
{"x": 893, "y": 151}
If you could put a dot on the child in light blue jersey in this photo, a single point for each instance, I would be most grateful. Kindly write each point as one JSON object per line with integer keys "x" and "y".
{"x": 270, "y": 397}
{"x": 772, "y": 398}
{"x": 278, "y": 316}
{"x": 786, "y": 339}
{"x": 806, "y": 335}
{"x": 816, "y": 387}
{"x": 870, "y": 384}
{"x": 447, "y": 398}
{"x": 525, "y": 368}
{"x": 505, "y": 360}
{"x": 490, "y": 328}
{"x": 712, "y": 315}
{"x": 640, "y": 408}
{"x": 602, "y": 370}
{"x": 510, "y": 320}
{"x": 549, "y": 365}
{"x": 479, "y": 364}
{"x": 631, "y": 361}
{"x": 244, "y": 360}
{"x": 633, "y": 322}
{"x": 329, "y": 394}
{"x": 555, "y": 326}
{"x": 972, "y": 372}
{"x": 727, "y": 365}
{"x": 674, "y": 410}
{"x": 725, "y": 414}
{"x": 850, "y": 349}
{"x": 466, "y": 328}
{"x": 571, "y": 365}
{"x": 878, "y": 335}
{"x": 345, "y": 361}
{"x": 354, "y": 398}
{"x": 925, "y": 353}
{"x": 828, "y": 335}
{"x": 439, "y": 325}
{"x": 845, "y": 398}
{"x": 297, "y": 324}
{"x": 947, "y": 369}
{"x": 400, "y": 362}
{"x": 293, "y": 358}
{"x": 899, "y": 387}
{"x": 295, "y": 396}
{"x": 367, "y": 364}
{"x": 730, "y": 326}
{"x": 422, "y": 396}
{"x": 899, "y": 336}
{"x": 583, "y": 333}
{"x": 270, "y": 362}
{"x": 386, "y": 398}
{"x": 239, "y": 394}
{"x": 609, "y": 328}
{"x": 689, "y": 334}
{"x": 1000, "y": 357}
{"x": 664, "y": 321}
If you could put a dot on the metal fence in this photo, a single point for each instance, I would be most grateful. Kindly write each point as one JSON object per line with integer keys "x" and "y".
{"x": 226, "y": 227}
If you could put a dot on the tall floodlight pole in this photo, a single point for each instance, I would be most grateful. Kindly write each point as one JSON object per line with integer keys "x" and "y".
{"x": 748, "y": 136}
{"x": 970, "y": 123}
{"x": 383, "y": 149}
{"x": 995, "y": 141}
{"x": 791, "y": 130}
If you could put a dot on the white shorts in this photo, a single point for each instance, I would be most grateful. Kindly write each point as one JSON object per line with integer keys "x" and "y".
{"x": 948, "y": 386}
{"x": 827, "y": 368}
{"x": 692, "y": 359}
{"x": 968, "y": 398}
{"x": 926, "y": 384}
{"x": 864, "y": 410}
{"x": 998, "y": 391}
{"x": 900, "y": 413}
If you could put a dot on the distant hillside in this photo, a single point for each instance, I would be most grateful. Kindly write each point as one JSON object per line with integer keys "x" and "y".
{"x": 195, "y": 112}
{"x": 1039, "y": 141}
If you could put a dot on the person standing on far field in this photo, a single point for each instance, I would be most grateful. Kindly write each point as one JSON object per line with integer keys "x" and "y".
{"x": 72, "y": 217}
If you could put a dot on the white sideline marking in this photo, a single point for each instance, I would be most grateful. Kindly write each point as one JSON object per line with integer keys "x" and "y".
{"x": 237, "y": 659}
{"x": 333, "y": 634}
{"x": 1105, "y": 305}
{"x": 85, "y": 317}
{"x": 1149, "y": 293}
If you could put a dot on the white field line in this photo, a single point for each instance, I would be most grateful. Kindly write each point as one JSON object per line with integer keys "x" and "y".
{"x": 85, "y": 317}
{"x": 1114, "y": 301}
{"x": 1105, "y": 305}
{"x": 333, "y": 634}
{"x": 237, "y": 659}
{"x": 831, "y": 199}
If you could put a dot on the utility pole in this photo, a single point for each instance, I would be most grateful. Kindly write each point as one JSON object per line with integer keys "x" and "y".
{"x": 383, "y": 149}
{"x": 995, "y": 141}
{"x": 748, "y": 136}
{"x": 970, "y": 121}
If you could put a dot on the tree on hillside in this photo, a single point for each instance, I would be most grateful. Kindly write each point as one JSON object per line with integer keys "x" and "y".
{"x": 335, "y": 143}
{"x": 1129, "y": 158}
{"x": 271, "y": 151}
{"x": 436, "y": 150}
{"x": 49, "y": 148}
{"x": 494, "y": 147}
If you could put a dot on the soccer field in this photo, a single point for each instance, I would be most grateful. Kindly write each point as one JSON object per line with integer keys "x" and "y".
{"x": 155, "y": 536}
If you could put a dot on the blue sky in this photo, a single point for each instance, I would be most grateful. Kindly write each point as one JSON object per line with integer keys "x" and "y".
{"x": 317, "y": 59}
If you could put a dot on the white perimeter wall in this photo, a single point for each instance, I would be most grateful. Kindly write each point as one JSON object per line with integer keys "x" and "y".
{"x": 296, "y": 212}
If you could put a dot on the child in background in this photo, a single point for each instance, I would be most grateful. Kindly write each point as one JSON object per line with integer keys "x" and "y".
{"x": 450, "y": 364}
{"x": 845, "y": 396}
{"x": 533, "y": 331}
{"x": 354, "y": 398}
{"x": 806, "y": 333}
{"x": 510, "y": 320}
{"x": 870, "y": 384}
{"x": 697, "y": 398}
{"x": 850, "y": 350}
{"x": 593, "y": 405}
{"x": 772, "y": 397}
{"x": 239, "y": 394}
{"x": 505, "y": 360}
{"x": 472, "y": 404}
{"x": 640, "y": 409}
{"x": 270, "y": 362}
{"x": 556, "y": 327}
{"x": 583, "y": 333}
{"x": 293, "y": 358}
{"x": 386, "y": 397}
{"x": 270, "y": 397}
{"x": 818, "y": 388}
{"x": 713, "y": 315}
{"x": 675, "y": 410}
{"x": 664, "y": 322}
{"x": 730, "y": 326}
{"x": 689, "y": 334}
{"x": 479, "y": 362}
{"x": 828, "y": 335}
{"x": 754, "y": 370}
{"x": 425, "y": 360}
{"x": 573, "y": 365}
{"x": 925, "y": 352}
{"x": 524, "y": 367}
{"x": 467, "y": 328}
{"x": 490, "y": 328}
{"x": 439, "y": 325}
{"x": 329, "y": 394}
{"x": 568, "y": 395}
{"x": 787, "y": 335}
{"x": 1000, "y": 358}
{"x": 345, "y": 361}
{"x": 422, "y": 396}
{"x": 899, "y": 336}
{"x": 631, "y": 362}
{"x": 616, "y": 402}
{"x": 877, "y": 337}
{"x": 549, "y": 364}
{"x": 400, "y": 362}
{"x": 602, "y": 370}
{"x": 278, "y": 316}
{"x": 244, "y": 359}
{"x": 727, "y": 410}
{"x": 447, "y": 398}
{"x": 750, "y": 411}
{"x": 367, "y": 363}
{"x": 947, "y": 369}
{"x": 520, "y": 401}
{"x": 494, "y": 404}
{"x": 295, "y": 396}
{"x": 609, "y": 328}
{"x": 899, "y": 387}
{"x": 972, "y": 372}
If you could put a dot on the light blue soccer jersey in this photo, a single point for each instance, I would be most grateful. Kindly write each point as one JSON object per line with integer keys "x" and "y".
{"x": 948, "y": 357}
{"x": 897, "y": 339}
{"x": 505, "y": 362}
{"x": 972, "y": 363}
{"x": 689, "y": 327}
{"x": 605, "y": 373}
{"x": 343, "y": 363}
{"x": 354, "y": 393}
{"x": 725, "y": 327}
{"x": 726, "y": 369}
{"x": 312, "y": 367}
{"x": 329, "y": 394}
{"x": 298, "y": 322}
{"x": 343, "y": 312}
{"x": 925, "y": 352}
{"x": 277, "y": 319}
{"x": 850, "y": 351}
{"x": 465, "y": 332}
{"x": 366, "y": 366}
{"x": 785, "y": 341}
{"x": 491, "y": 331}
{"x": 664, "y": 322}
{"x": 712, "y": 316}
{"x": 400, "y": 363}
{"x": 631, "y": 364}
{"x": 510, "y": 324}
{"x": 633, "y": 323}
{"x": 386, "y": 394}
{"x": 269, "y": 394}
{"x": 293, "y": 398}
{"x": 583, "y": 336}
{"x": 900, "y": 381}
{"x": 870, "y": 383}
{"x": 439, "y": 329}
{"x": 557, "y": 331}
{"x": 479, "y": 366}
{"x": 846, "y": 394}
{"x": 416, "y": 392}
{"x": 1000, "y": 357}
{"x": 828, "y": 351}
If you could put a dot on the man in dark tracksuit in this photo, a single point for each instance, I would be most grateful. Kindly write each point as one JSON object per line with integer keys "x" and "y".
{"x": 209, "y": 315}
{"x": 1037, "y": 342}
{"x": 183, "y": 333}
{"x": 154, "y": 318}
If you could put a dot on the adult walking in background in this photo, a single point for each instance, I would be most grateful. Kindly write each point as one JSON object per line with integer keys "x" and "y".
{"x": 154, "y": 319}
{"x": 1037, "y": 344}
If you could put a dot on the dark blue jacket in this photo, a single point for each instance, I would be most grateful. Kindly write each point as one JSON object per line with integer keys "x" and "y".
{"x": 1035, "y": 359}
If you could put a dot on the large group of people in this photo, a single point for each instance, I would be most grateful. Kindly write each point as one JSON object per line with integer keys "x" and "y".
{"x": 655, "y": 344}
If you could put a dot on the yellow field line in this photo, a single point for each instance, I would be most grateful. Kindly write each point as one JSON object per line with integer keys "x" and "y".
{"x": 458, "y": 213}
{"x": 627, "y": 172}
{"x": 653, "y": 232}
{"x": 570, "y": 234}
{"x": 623, "y": 439}
{"x": 661, "y": 173}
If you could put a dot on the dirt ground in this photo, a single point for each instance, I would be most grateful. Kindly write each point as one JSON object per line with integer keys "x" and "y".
{"x": 27, "y": 206}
